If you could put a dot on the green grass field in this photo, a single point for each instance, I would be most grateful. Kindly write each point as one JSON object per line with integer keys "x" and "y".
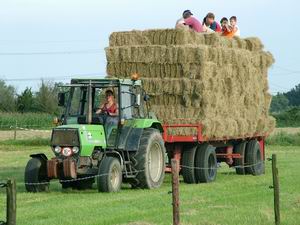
{"x": 231, "y": 200}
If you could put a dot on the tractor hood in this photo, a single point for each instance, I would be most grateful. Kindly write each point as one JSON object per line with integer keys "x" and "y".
{"x": 84, "y": 136}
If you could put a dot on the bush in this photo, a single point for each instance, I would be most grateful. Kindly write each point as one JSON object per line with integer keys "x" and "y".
{"x": 284, "y": 139}
{"x": 289, "y": 118}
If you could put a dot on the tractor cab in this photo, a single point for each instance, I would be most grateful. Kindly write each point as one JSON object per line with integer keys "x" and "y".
{"x": 83, "y": 99}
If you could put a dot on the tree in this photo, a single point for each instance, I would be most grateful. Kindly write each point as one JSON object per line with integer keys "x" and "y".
{"x": 294, "y": 96}
{"x": 7, "y": 97}
{"x": 25, "y": 101}
{"x": 279, "y": 103}
{"x": 46, "y": 98}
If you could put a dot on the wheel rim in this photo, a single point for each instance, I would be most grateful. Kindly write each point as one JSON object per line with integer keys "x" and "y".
{"x": 155, "y": 162}
{"x": 115, "y": 177}
{"x": 211, "y": 166}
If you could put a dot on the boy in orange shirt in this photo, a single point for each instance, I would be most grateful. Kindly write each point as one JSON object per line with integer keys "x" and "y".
{"x": 227, "y": 30}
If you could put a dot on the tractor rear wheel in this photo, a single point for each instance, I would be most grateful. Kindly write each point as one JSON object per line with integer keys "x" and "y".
{"x": 109, "y": 175}
{"x": 206, "y": 164}
{"x": 255, "y": 164}
{"x": 240, "y": 163}
{"x": 36, "y": 179}
{"x": 150, "y": 160}
{"x": 188, "y": 165}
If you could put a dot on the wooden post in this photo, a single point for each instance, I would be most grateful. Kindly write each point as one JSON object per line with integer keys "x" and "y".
{"x": 15, "y": 131}
{"x": 175, "y": 191}
{"x": 11, "y": 202}
{"x": 276, "y": 189}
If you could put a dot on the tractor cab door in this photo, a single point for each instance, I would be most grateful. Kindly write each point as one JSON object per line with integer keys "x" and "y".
{"x": 126, "y": 102}
{"x": 110, "y": 123}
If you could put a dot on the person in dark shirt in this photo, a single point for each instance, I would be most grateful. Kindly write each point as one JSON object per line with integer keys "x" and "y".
{"x": 210, "y": 22}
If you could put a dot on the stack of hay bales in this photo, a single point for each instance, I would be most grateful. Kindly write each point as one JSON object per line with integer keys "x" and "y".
{"x": 198, "y": 78}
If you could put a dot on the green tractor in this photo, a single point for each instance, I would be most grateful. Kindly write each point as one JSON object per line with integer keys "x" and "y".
{"x": 90, "y": 147}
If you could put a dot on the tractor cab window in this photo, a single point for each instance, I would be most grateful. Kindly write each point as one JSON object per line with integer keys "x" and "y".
{"x": 78, "y": 105}
{"x": 105, "y": 101}
{"x": 126, "y": 102}
{"x": 131, "y": 102}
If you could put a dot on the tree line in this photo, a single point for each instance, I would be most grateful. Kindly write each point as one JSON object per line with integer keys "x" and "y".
{"x": 285, "y": 107}
{"x": 44, "y": 100}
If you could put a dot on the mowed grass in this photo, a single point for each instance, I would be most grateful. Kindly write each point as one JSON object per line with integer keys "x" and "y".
{"x": 231, "y": 200}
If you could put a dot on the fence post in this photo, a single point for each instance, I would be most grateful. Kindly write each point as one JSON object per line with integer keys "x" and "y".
{"x": 175, "y": 191}
{"x": 15, "y": 131}
{"x": 11, "y": 202}
{"x": 276, "y": 189}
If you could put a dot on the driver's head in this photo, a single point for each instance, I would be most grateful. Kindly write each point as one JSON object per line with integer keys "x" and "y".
{"x": 109, "y": 95}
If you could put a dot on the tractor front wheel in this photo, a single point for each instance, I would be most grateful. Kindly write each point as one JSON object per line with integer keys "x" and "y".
{"x": 109, "y": 175}
{"x": 36, "y": 176}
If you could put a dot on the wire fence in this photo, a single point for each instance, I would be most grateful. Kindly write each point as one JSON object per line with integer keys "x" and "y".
{"x": 187, "y": 202}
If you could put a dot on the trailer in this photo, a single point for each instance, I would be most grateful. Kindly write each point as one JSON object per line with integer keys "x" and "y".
{"x": 199, "y": 156}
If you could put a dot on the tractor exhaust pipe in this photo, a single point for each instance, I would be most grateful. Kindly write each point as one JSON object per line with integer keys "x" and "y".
{"x": 90, "y": 109}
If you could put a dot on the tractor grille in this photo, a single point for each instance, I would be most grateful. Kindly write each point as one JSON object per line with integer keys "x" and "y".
{"x": 65, "y": 137}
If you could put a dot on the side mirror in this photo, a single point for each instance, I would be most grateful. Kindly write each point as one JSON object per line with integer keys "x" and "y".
{"x": 138, "y": 100}
{"x": 146, "y": 98}
{"x": 61, "y": 98}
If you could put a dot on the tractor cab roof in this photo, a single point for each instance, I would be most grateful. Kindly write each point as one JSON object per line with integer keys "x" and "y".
{"x": 105, "y": 82}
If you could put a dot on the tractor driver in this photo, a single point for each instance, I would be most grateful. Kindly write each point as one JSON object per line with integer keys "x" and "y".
{"x": 109, "y": 107}
{"x": 108, "y": 112}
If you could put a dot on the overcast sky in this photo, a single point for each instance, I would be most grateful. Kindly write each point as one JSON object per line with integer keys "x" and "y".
{"x": 80, "y": 29}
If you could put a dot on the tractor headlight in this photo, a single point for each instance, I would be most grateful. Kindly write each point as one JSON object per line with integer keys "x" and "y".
{"x": 75, "y": 150}
{"x": 57, "y": 149}
{"x": 66, "y": 151}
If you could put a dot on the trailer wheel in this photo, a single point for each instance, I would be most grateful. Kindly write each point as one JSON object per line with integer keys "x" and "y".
{"x": 240, "y": 163}
{"x": 206, "y": 164}
{"x": 150, "y": 160}
{"x": 188, "y": 164}
{"x": 254, "y": 161}
{"x": 109, "y": 175}
{"x": 35, "y": 173}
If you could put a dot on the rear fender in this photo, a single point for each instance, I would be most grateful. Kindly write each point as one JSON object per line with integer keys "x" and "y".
{"x": 157, "y": 126}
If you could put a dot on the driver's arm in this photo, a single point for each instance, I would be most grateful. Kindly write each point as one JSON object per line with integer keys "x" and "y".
{"x": 100, "y": 109}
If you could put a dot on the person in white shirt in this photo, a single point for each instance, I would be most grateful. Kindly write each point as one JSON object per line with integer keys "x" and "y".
{"x": 236, "y": 29}
{"x": 180, "y": 23}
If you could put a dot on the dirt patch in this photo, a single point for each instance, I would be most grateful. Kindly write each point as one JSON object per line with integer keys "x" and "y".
{"x": 21, "y": 135}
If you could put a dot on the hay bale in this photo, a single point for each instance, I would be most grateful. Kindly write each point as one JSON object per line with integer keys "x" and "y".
{"x": 181, "y": 37}
{"x": 200, "y": 78}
